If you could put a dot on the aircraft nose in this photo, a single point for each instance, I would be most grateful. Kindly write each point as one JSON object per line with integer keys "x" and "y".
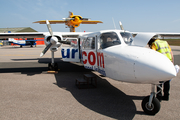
{"x": 153, "y": 67}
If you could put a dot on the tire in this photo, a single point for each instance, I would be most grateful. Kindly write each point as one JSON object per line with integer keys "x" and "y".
{"x": 155, "y": 106}
{"x": 53, "y": 67}
{"x": 50, "y": 67}
{"x": 56, "y": 67}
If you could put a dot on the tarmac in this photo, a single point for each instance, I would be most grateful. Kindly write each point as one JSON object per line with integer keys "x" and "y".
{"x": 28, "y": 92}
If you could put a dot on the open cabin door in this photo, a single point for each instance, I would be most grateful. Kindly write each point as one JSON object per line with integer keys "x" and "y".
{"x": 92, "y": 57}
{"x": 70, "y": 51}
{"x": 89, "y": 53}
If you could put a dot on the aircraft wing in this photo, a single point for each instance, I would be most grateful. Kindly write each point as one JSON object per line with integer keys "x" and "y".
{"x": 172, "y": 35}
{"x": 22, "y": 35}
{"x": 142, "y": 38}
{"x": 41, "y": 34}
{"x": 50, "y": 21}
{"x": 63, "y": 21}
{"x": 90, "y": 22}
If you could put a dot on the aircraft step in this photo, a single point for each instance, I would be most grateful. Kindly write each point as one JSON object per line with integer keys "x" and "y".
{"x": 88, "y": 81}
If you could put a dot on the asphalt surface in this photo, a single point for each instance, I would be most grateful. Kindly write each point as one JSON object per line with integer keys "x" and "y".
{"x": 28, "y": 92}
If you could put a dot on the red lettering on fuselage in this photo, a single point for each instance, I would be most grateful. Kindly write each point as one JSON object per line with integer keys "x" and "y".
{"x": 100, "y": 59}
{"x": 84, "y": 53}
{"x": 91, "y": 58}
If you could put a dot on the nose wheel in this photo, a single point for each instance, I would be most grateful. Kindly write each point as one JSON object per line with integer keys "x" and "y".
{"x": 154, "y": 106}
{"x": 151, "y": 104}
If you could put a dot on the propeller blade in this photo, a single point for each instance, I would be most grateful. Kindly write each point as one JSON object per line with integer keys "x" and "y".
{"x": 66, "y": 19}
{"x": 85, "y": 19}
{"x": 49, "y": 27}
{"x": 45, "y": 49}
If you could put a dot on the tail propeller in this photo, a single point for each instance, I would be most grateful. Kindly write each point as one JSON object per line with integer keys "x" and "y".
{"x": 53, "y": 44}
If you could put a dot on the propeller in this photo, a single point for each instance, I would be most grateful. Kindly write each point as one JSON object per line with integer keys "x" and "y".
{"x": 53, "y": 44}
{"x": 53, "y": 40}
{"x": 45, "y": 49}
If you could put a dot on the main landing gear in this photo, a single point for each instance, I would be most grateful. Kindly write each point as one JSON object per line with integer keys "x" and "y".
{"x": 151, "y": 104}
{"x": 52, "y": 67}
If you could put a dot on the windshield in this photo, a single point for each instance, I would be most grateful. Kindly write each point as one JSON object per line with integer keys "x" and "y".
{"x": 127, "y": 37}
{"x": 109, "y": 39}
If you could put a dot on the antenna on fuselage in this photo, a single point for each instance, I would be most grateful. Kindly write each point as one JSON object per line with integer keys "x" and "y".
{"x": 114, "y": 23}
{"x": 121, "y": 26}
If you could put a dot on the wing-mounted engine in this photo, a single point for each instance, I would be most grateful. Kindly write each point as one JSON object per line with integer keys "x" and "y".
{"x": 48, "y": 38}
{"x": 53, "y": 43}
{"x": 55, "y": 40}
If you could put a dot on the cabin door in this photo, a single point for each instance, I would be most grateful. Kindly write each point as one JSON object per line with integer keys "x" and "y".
{"x": 70, "y": 51}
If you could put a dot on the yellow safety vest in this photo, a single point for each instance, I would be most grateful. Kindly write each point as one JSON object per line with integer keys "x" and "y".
{"x": 163, "y": 47}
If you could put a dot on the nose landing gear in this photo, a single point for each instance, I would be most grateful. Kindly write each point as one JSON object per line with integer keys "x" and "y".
{"x": 151, "y": 104}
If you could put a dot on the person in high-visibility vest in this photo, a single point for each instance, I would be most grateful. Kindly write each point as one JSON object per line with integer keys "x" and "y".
{"x": 164, "y": 48}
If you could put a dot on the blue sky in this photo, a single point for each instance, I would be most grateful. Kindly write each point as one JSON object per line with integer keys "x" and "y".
{"x": 135, "y": 15}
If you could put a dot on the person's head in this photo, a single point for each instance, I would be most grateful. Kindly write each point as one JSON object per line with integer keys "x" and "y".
{"x": 151, "y": 41}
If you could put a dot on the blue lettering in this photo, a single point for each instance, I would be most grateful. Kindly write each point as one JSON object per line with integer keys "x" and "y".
{"x": 102, "y": 72}
{"x": 96, "y": 69}
{"x": 73, "y": 52}
{"x": 67, "y": 55}
{"x": 89, "y": 67}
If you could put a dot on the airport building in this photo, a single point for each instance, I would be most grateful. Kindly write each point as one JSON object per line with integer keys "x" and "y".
{"x": 40, "y": 41}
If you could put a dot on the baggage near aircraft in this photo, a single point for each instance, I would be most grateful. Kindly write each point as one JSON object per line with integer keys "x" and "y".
{"x": 117, "y": 54}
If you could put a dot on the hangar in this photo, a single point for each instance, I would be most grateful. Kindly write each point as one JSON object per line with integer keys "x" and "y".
{"x": 14, "y": 30}
{"x": 20, "y": 29}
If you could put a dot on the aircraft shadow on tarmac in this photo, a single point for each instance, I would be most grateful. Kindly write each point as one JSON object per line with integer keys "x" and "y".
{"x": 40, "y": 60}
{"x": 105, "y": 99}
{"x": 29, "y": 68}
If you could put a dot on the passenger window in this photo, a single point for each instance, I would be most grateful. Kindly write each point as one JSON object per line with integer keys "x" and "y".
{"x": 74, "y": 43}
{"x": 109, "y": 39}
{"x": 71, "y": 42}
{"x": 89, "y": 43}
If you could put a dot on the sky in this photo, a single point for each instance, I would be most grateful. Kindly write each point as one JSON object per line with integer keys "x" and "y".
{"x": 135, "y": 15}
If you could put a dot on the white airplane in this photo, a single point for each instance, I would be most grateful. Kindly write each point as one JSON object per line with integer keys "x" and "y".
{"x": 23, "y": 42}
{"x": 115, "y": 54}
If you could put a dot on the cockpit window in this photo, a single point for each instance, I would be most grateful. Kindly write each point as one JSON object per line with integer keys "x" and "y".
{"x": 127, "y": 37}
{"x": 109, "y": 39}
